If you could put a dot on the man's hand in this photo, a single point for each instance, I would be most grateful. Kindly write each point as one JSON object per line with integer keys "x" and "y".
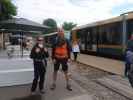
{"x": 69, "y": 60}
{"x": 37, "y": 50}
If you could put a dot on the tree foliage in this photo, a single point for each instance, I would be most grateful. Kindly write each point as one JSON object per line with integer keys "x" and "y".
{"x": 68, "y": 25}
{"x": 51, "y": 23}
{"x": 7, "y": 9}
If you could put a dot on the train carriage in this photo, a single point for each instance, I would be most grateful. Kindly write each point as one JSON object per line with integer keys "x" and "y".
{"x": 107, "y": 38}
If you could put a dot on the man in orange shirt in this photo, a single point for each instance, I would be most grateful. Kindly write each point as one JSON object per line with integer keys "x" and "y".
{"x": 61, "y": 55}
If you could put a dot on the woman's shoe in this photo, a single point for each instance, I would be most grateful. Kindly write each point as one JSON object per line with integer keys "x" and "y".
{"x": 53, "y": 86}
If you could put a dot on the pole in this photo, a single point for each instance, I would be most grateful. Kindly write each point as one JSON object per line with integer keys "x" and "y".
{"x": 124, "y": 31}
{"x": 22, "y": 45}
{"x": 2, "y": 40}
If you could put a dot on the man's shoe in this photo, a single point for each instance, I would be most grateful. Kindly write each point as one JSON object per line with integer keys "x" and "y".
{"x": 68, "y": 87}
{"x": 42, "y": 91}
{"x": 53, "y": 86}
{"x": 33, "y": 92}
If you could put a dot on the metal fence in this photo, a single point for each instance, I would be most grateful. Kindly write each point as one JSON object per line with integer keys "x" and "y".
{"x": 14, "y": 51}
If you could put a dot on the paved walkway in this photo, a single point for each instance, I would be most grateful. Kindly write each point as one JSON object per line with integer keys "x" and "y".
{"x": 60, "y": 93}
{"x": 106, "y": 64}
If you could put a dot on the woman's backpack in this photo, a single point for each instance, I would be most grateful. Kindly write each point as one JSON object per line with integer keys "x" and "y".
{"x": 129, "y": 59}
{"x": 129, "y": 56}
{"x": 130, "y": 75}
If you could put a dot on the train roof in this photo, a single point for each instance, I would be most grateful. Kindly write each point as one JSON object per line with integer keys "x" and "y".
{"x": 108, "y": 21}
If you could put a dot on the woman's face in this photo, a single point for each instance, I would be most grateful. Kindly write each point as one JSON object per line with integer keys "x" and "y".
{"x": 40, "y": 41}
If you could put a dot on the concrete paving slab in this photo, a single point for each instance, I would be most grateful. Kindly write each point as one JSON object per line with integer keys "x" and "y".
{"x": 85, "y": 97}
{"x": 60, "y": 93}
{"x": 15, "y": 71}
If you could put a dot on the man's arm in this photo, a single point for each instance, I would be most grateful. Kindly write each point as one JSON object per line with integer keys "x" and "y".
{"x": 69, "y": 49}
{"x": 46, "y": 52}
{"x": 54, "y": 43}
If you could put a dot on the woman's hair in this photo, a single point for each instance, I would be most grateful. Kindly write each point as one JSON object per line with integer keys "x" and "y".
{"x": 40, "y": 38}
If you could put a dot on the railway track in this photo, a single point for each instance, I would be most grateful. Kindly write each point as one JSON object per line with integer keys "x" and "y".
{"x": 88, "y": 79}
{"x": 127, "y": 98}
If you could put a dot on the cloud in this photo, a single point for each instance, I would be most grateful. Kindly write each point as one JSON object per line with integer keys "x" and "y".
{"x": 77, "y": 11}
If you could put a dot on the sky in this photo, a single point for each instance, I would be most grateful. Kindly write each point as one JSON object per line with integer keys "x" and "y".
{"x": 77, "y": 11}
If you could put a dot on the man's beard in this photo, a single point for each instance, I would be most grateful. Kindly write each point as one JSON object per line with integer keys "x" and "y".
{"x": 60, "y": 41}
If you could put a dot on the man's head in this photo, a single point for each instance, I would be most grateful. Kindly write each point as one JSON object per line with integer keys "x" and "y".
{"x": 61, "y": 38}
{"x": 60, "y": 32}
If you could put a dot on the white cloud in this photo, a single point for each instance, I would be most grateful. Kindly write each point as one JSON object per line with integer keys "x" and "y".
{"x": 77, "y": 11}
{"x": 130, "y": 1}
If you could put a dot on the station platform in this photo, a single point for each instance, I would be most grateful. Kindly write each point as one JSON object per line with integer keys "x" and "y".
{"x": 106, "y": 64}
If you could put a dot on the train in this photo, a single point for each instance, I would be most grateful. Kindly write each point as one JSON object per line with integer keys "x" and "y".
{"x": 106, "y": 38}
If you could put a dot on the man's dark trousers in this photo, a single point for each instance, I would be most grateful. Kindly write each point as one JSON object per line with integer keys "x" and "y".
{"x": 39, "y": 73}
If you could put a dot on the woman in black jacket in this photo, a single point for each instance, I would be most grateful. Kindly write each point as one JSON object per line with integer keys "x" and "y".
{"x": 39, "y": 54}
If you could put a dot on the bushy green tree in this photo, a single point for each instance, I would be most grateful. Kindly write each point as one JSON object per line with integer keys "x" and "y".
{"x": 68, "y": 25}
{"x": 51, "y": 23}
{"x": 7, "y": 9}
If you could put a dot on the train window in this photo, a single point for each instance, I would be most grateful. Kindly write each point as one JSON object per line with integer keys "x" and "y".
{"x": 129, "y": 28}
{"x": 94, "y": 35}
{"x": 89, "y": 40}
{"x": 110, "y": 39}
{"x": 110, "y": 34}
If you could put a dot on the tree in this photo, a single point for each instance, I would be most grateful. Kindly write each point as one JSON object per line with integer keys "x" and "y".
{"x": 51, "y": 23}
{"x": 68, "y": 25}
{"x": 7, "y": 9}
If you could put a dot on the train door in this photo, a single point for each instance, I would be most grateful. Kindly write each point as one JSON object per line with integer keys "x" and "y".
{"x": 88, "y": 41}
{"x": 91, "y": 40}
{"x": 82, "y": 40}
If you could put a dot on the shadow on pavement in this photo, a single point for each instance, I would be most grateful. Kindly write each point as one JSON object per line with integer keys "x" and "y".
{"x": 30, "y": 97}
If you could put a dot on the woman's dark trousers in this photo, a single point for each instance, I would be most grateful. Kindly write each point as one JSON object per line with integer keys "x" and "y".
{"x": 39, "y": 74}
{"x": 75, "y": 55}
{"x": 127, "y": 68}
